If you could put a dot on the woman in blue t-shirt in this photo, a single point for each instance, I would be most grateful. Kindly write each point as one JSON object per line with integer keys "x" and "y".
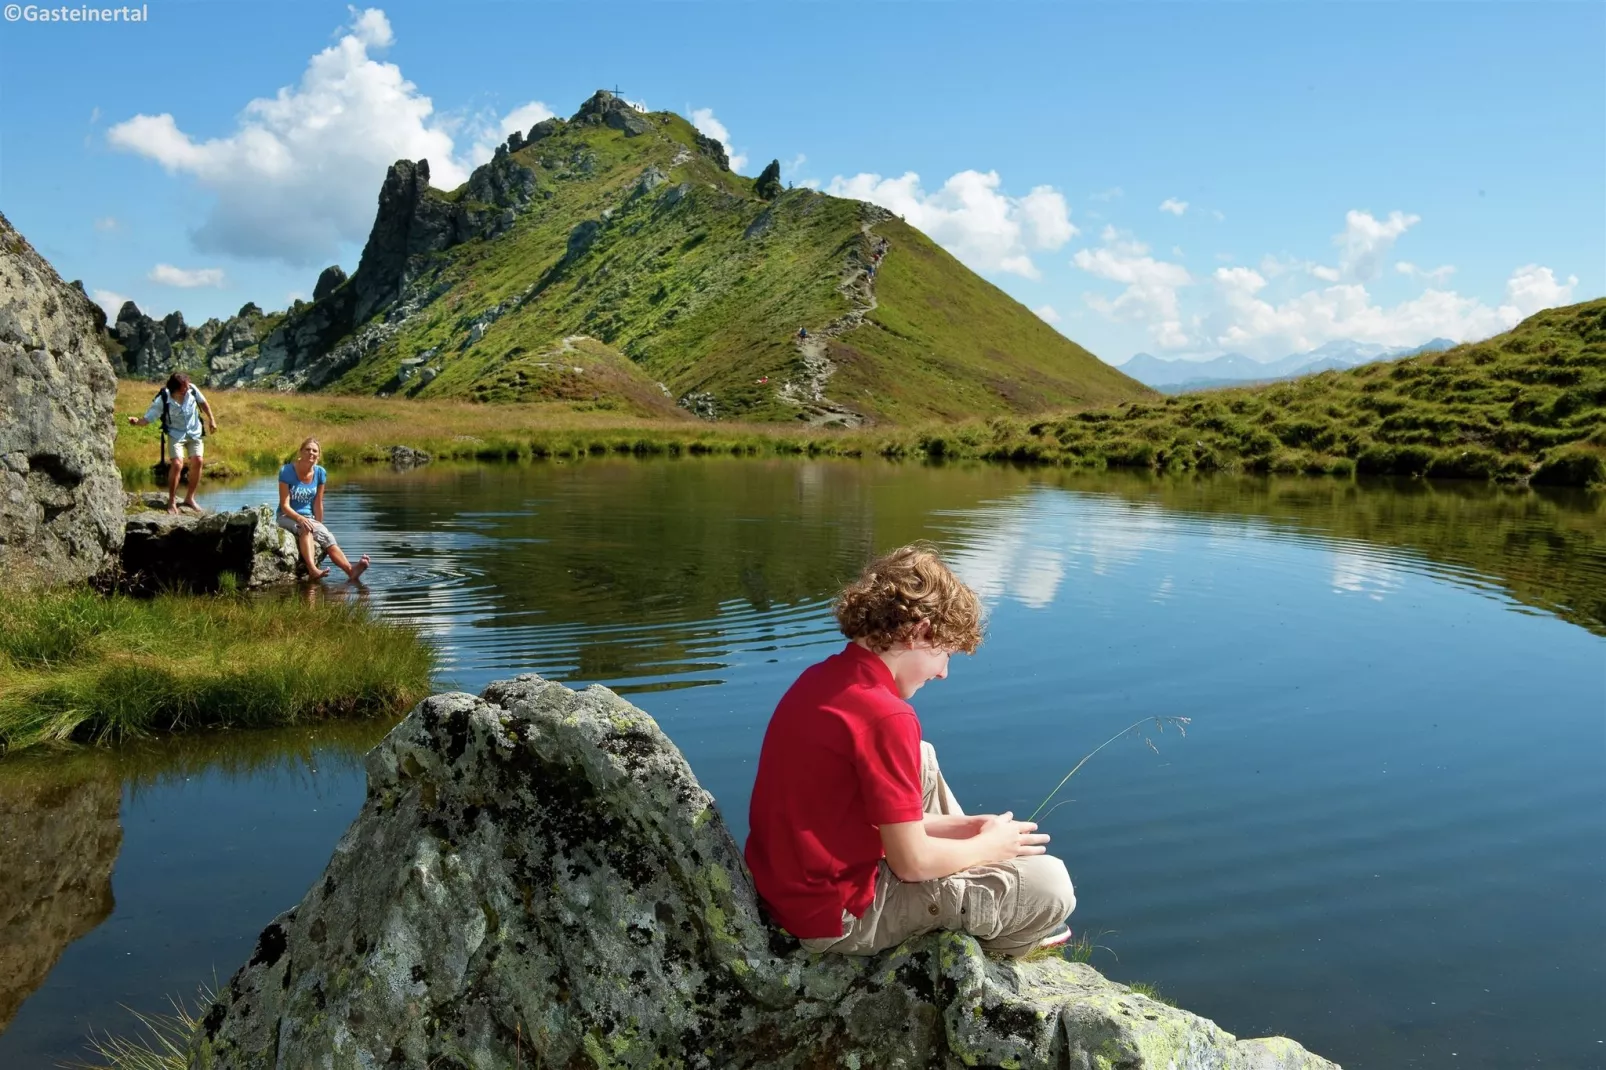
{"x": 301, "y": 485}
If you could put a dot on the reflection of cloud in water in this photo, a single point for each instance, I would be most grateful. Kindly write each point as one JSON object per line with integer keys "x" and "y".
{"x": 1023, "y": 548}
{"x": 1360, "y": 574}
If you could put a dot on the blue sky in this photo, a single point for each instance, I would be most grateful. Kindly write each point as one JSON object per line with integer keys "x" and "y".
{"x": 1180, "y": 179}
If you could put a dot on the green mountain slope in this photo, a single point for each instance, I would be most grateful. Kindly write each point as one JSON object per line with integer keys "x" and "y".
{"x": 1527, "y": 405}
{"x": 626, "y": 233}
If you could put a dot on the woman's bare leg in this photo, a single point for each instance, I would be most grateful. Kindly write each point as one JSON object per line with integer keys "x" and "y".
{"x": 338, "y": 556}
{"x": 309, "y": 555}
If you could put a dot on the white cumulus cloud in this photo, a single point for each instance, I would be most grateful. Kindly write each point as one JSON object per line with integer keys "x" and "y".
{"x": 1438, "y": 274}
{"x": 188, "y": 279}
{"x": 1245, "y": 320}
{"x": 1366, "y": 240}
{"x": 106, "y": 224}
{"x": 1151, "y": 286}
{"x": 1174, "y": 206}
{"x": 1275, "y": 310}
{"x": 703, "y": 119}
{"x": 1531, "y": 289}
{"x": 1047, "y": 313}
{"x": 300, "y": 173}
{"x": 972, "y": 217}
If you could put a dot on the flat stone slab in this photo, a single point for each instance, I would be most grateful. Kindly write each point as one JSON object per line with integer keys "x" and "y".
{"x": 192, "y": 551}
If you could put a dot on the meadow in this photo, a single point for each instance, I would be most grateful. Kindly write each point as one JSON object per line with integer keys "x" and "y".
{"x": 79, "y": 666}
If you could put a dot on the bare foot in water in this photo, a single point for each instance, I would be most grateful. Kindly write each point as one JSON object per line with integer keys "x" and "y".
{"x": 360, "y": 567}
{"x": 317, "y": 573}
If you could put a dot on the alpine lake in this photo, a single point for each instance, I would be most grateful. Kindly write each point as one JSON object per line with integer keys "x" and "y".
{"x": 1384, "y": 834}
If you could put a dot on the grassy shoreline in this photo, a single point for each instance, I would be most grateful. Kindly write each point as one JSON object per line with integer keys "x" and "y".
{"x": 1528, "y": 405}
{"x": 79, "y": 666}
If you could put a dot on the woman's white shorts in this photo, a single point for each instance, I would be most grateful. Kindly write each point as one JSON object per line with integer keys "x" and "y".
{"x": 322, "y": 537}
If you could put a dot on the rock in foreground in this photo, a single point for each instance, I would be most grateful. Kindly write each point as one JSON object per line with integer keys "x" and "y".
{"x": 61, "y": 498}
{"x": 538, "y": 879}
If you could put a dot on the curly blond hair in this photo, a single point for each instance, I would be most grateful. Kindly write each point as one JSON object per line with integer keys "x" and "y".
{"x": 898, "y": 590}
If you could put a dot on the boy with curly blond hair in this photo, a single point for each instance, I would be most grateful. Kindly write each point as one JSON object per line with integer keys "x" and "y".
{"x": 856, "y": 842}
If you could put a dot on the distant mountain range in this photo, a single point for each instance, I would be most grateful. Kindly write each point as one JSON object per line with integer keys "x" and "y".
{"x": 1234, "y": 369}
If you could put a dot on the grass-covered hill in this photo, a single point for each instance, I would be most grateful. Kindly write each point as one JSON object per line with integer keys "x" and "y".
{"x": 614, "y": 259}
{"x": 1527, "y": 405}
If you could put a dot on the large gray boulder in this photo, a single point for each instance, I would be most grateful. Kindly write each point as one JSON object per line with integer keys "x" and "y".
{"x": 192, "y": 552}
{"x": 61, "y": 498}
{"x": 537, "y": 879}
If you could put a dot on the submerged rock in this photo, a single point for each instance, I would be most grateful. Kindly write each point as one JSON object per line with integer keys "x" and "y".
{"x": 192, "y": 551}
{"x": 537, "y": 879}
{"x": 61, "y": 498}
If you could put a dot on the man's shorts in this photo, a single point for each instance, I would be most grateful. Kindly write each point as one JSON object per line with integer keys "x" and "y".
{"x": 322, "y": 537}
{"x": 189, "y": 445}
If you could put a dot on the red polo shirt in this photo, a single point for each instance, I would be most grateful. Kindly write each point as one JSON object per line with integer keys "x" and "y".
{"x": 841, "y": 756}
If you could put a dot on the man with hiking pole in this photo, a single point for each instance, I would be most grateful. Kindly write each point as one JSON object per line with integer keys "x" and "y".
{"x": 178, "y": 406}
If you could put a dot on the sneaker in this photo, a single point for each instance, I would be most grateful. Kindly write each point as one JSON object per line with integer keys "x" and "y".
{"x": 1059, "y": 937}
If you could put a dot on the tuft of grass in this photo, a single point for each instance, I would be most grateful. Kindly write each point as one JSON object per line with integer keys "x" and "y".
{"x": 160, "y": 1042}
{"x": 1079, "y": 948}
{"x": 76, "y": 665}
{"x": 1143, "y": 988}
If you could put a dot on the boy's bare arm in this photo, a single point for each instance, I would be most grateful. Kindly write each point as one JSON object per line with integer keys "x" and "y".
{"x": 915, "y": 856}
{"x": 953, "y": 826}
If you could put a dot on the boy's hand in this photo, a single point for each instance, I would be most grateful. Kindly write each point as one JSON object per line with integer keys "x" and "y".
{"x": 1007, "y": 838}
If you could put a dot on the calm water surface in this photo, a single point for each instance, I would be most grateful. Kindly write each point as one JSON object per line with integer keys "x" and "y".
{"x": 1383, "y": 834}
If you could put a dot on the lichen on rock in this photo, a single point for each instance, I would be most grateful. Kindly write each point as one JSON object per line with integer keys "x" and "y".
{"x": 537, "y": 878}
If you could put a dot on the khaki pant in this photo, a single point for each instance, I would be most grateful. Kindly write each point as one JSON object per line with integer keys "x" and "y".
{"x": 1008, "y": 907}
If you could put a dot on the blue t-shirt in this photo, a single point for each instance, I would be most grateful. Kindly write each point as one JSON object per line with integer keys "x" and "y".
{"x": 301, "y": 494}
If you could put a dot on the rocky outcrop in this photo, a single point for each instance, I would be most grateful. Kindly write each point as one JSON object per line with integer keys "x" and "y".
{"x": 537, "y": 879}
{"x": 153, "y": 349}
{"x": 582, "y": 237}
{"x": 768, "y": 185}
{"x": 329, "y": 280}
{"x": 409, "y": 225}
{"x": 61, "y": 498}
{"x": 348, "y": 319}
{"x": 192, "y": 552}
{"x": 650, "y": 179}
{"x": 605, "y": 109}
{"x": 713, "y": 150}
{"x": 543, "y": 130}
{"x": 59, "y": 836}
